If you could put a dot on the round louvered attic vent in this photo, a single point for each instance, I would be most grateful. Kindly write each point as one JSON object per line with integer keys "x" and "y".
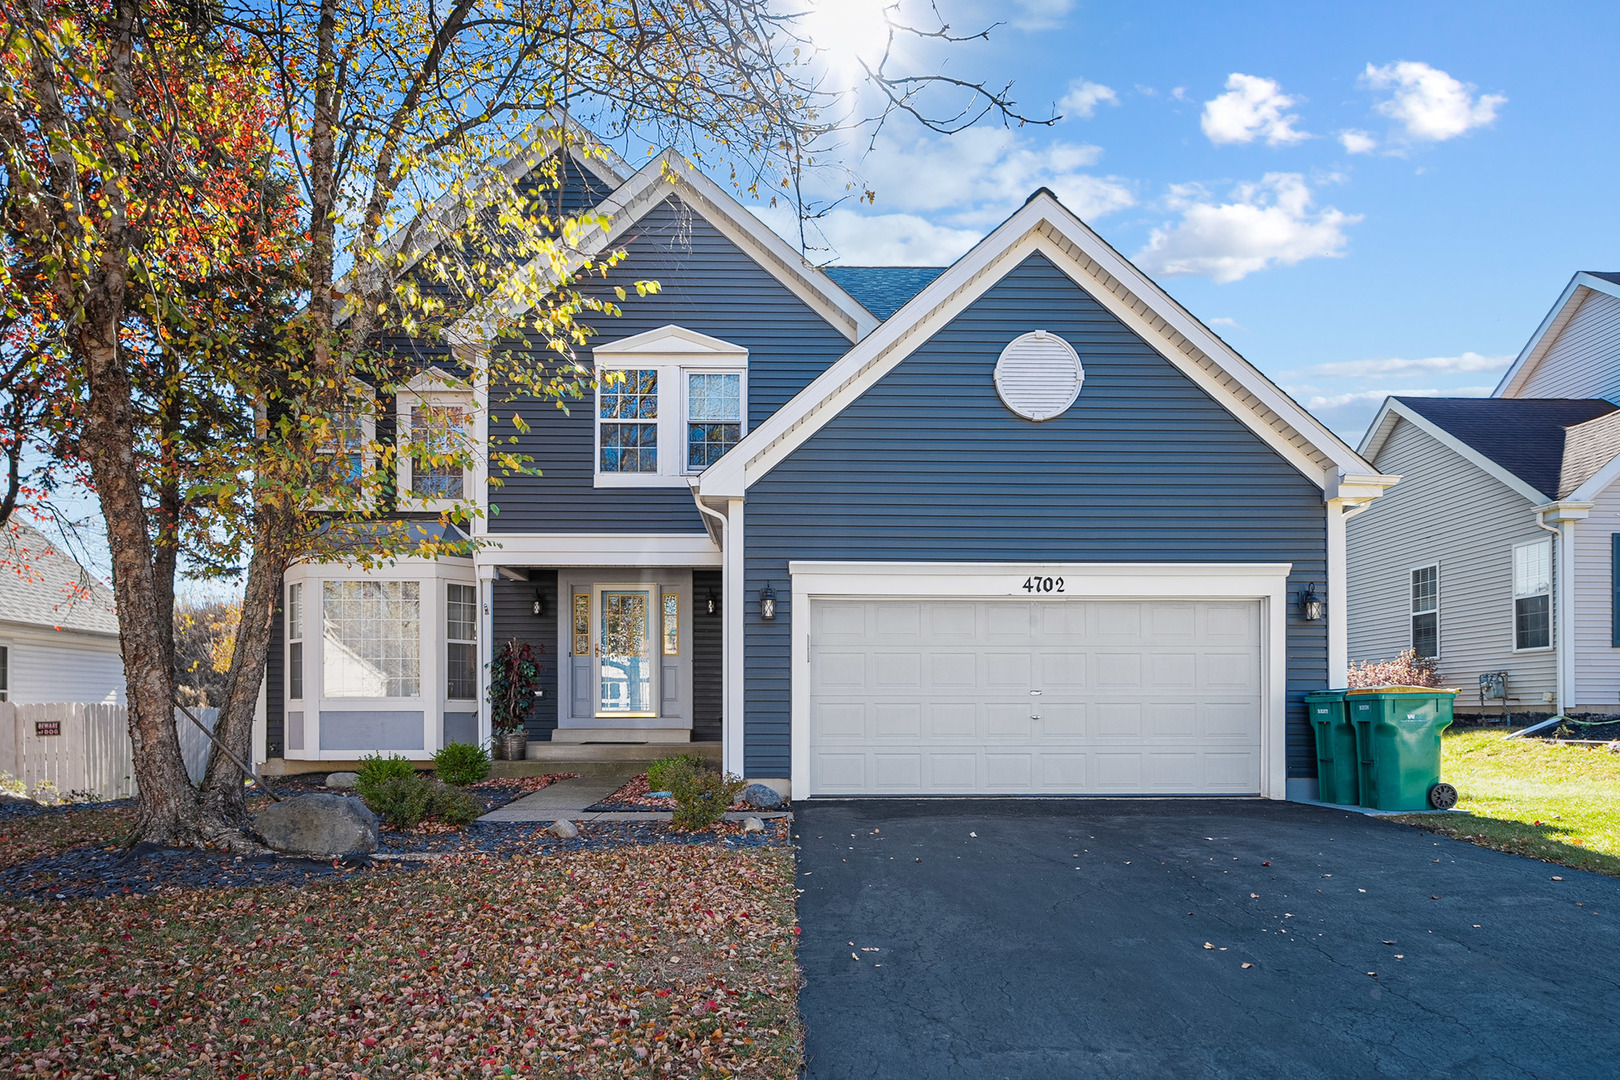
{"x": 1039, "y": 375}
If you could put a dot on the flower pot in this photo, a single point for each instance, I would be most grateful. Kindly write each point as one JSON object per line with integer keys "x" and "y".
{"x": 514, "y": 747}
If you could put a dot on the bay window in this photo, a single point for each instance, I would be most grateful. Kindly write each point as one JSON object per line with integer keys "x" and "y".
{"x": 295, "y": 641}
{"x": 461, "y": 642}
{"x": 1532, "y": 595}
{"x": 371, "y": 639}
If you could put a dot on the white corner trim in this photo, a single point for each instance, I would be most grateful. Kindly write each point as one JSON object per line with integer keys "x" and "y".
{"x": 1569, "y": 301}
{"x": 1044, "y": 226}
{"x": 734, "y": 656}
{"x": 1468, "y": 453}
{"x": 1265, "y": 582}
{"x": 671, "y": 174}
{"x": 644, "y": 550}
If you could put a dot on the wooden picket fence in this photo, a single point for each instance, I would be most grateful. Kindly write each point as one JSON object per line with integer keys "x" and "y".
{"x": 73, "y": 748}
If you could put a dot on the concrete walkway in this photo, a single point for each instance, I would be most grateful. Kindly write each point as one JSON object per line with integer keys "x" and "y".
{"x": 569, "y": 798}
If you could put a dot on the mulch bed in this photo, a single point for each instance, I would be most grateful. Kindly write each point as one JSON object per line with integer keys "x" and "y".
{"x": 495, "y": 792}
{"x": 636, "y": 796}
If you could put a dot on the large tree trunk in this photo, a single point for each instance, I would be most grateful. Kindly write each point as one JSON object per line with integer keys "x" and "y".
{"x": 223, "y": 795}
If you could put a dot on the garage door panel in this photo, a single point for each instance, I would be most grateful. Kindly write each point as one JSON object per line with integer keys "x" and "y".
{"x": 1135, "y": 697}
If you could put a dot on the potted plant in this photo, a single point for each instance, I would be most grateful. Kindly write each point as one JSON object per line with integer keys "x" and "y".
{"x": 513, "y": 677}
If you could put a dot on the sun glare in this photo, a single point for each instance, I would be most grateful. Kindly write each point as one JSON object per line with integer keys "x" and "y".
{"x": 845, "y": 31}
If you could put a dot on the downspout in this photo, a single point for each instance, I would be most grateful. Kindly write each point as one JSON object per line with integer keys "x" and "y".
{"x": 716, "y": 520}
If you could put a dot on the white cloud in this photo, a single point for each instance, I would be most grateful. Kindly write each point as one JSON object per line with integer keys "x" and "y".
{"x": 1253, "y": 107}
{"x": 1269, "y": 223}
{"x": 1429, "y": 104}
{"x": 1040, "y": 14}
{"x": 1225, "y": 321}
{"x": 1084, "y": 97}
{"x": 1431, "y": 365}
{"x": 1349, "y": 413}
{"x": 1357, "y": 142}
{"x": 894, "y": 239}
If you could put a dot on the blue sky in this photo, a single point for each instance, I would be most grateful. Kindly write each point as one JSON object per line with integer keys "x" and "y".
{"x": 1362, "y": 199}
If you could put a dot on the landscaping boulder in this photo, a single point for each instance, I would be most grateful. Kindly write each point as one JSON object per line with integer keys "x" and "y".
{"x": 761, "y": 797}
{"x": 752, "y": 824}
{"x": 563, "y": 829}
{"x": 342, "y": 781}
{"x": 319, "y": 825}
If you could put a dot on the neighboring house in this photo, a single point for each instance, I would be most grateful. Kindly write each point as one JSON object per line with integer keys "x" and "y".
{"x": 58, "y": 626}
{"x": 1497, "y": 551}
{"x": 1017, "y": 525}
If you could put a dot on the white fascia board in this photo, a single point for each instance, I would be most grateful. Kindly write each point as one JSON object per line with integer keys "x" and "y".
{"x": 995, "y": 579}
{"x": 1043, "y": 225}
{"x": 1569, "y": 301}
{"x": 645, "y": 550}
{"x": 1468, "y": 453}
{"x": 671, "y": 340}
{"x": 1379, "y": 431}
{"x": 671, "y": 174}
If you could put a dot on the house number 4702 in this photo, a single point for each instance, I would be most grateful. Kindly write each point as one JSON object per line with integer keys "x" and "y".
{"x": 1043, "y": 584}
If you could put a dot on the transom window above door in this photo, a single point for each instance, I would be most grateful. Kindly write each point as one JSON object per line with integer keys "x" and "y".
{"x": 669, "y": 403}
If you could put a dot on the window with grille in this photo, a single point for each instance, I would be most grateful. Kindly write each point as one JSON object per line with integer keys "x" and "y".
{"x": 1532, "y": 595}
{"x": 1426, "y": 611}
{"x": 461, "y": 641}
{"x": 439, "y": 444}
{"x": 713, "y": 417}
{"x": 628, "y": 421}
{"x": 295, "y": 641}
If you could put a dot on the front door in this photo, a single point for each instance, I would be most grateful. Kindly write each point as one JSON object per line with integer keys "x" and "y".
{"x": 626, "y": 671}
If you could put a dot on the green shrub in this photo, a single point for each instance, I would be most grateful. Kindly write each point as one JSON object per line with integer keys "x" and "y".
{"x": 661, "y": 774}
{"x": 376, "y": 770}
{"x": 406, "y": 801}
{"x": 702, "y": 797}
{"x": 461, "y": 764}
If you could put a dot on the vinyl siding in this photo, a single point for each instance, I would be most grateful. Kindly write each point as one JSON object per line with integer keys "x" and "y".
{"x": 930, "y": 465}
{"x": 708, "y": 688}
{"x": 709, "y": 285}
{"x": 47, "y": 666}
{"x": 1597, "y": 661}
{"x": 514, "y": 618}
{"x": 1584, "y": 361}
{"x": 1445, "y": 511}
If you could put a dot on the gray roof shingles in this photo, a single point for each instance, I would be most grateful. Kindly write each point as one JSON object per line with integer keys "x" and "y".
{"x": 40, "y": 585}
{"x": 883, "y": 290}
{"x": 1523, "y": 435}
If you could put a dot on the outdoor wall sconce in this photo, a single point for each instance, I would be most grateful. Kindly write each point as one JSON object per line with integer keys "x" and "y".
{"x": 712, "y": 603}
{"x": 767, "y": 603}
{"x": 539, "y": 603}
{"x": 1311, "y": 606}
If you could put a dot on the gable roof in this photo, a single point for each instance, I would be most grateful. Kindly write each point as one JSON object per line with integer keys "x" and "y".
{"x": 1581, "y": 286}
{"x": 1044, "y": 225}
{"x": 1520, "y": 441}
{"x": 883, "y": 290}
{"x": 41, "y": 585}
{"x": 670, "y": 174}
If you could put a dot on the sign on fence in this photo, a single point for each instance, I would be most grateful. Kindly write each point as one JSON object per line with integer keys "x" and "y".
{"x": 80, "y": 749}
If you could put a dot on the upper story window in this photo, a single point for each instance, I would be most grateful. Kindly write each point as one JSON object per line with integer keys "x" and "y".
{"x": 669, "y": 403}
{"x": 1426, "y": 611}
{"x": 437, "y": 453}
{"x": 1532, "y": 595}
{"x": 345, "y": 452}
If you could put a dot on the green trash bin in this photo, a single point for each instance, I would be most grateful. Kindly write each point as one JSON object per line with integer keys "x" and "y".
{"x": 1337, "y": 764}
{"x": 1398, "y": 746}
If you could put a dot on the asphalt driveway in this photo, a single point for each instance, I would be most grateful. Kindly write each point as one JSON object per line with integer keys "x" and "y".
{"x": 1191, "y": 938}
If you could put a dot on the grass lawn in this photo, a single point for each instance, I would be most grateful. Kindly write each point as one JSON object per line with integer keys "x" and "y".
{"x": 1557, "y": 803}
{"x": 660, "y": 960}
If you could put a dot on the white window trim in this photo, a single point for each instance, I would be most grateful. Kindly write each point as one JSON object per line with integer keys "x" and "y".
{"x": 673, "y": 352}
{"x": 5, "y": 671}
{"x": 1514, "y": 597}
{"x": 1264, "y": 582}
{"x": 448, "y": 640}
{"x": 1411, "y": 613}
{"x": 365, "y": 401}
{"x": 435, "y": 387}
{"x": 686, "y": 411}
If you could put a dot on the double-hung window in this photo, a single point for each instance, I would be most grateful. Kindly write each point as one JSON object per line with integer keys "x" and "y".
{"x": 669, "y": 404}
{"x": 1426, "y": 611}
{"x": 342, "y": 452}
{"x": 1532, "y": 595}
{"x": 461, "y": 642}
{"x": 295, "y": 641}
{"x": 438, "y": 449}
{"x": 5, "y": 673}
{"x": 628, "y": 421}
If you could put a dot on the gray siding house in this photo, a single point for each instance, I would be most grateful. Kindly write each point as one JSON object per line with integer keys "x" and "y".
{"x": 1019, "y": 525}
{"x": 1496, "y": 554}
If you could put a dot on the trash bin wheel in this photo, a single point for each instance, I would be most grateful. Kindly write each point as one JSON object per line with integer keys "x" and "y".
{"x": 1442, "y": 796}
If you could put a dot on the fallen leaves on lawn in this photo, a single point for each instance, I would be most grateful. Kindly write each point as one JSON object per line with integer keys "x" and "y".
{"x": 27, "y": 836}
{"x": 557, "y": 965}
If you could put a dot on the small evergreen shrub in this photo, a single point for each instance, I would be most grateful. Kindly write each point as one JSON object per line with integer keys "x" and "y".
{"x": 406, "y": 801}
{"x": 661, "y": 774}
{"x": 452, "y": 806}
{"x": 461, "y": 764}
{"x": 376, "y": 770}
{"x": 702, "y": 797}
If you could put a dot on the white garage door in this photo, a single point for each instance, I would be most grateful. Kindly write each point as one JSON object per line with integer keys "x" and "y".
{"x": 1034, "y": 697}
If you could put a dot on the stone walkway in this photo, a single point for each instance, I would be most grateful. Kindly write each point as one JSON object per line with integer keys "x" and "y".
{"x": 569, "y": 798}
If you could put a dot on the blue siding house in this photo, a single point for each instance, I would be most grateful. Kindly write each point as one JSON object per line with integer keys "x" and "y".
{"x": 1019, "y": 525}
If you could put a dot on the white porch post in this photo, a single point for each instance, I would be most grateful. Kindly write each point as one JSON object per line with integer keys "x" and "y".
{"x": 1338, "y": 590}
{"x": 486, "y": 648}
{"x": 732, "y": 661}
